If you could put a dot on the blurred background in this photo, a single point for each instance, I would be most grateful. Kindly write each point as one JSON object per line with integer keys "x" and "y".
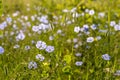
{"x": 11, "y": 5}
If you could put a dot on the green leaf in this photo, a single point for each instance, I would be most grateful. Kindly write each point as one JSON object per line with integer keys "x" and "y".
{"x": 67, "y": 70}
{"x": 67, "y": 59}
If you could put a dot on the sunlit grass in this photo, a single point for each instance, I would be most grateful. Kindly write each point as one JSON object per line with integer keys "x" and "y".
{"x": 19, "y": 40}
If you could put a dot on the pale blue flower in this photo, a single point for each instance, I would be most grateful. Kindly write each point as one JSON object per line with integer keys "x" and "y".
{"x": 49, "y": 49}
{"x": 1, "y": 50}
{"x": 40, "y": 57}
{"x": 32, "y": 64}
{"x": 90, "y": 39}
{"x": 106, "y": 57}
{"x": 78, "y": 63}
{"x": 41, "y": 45}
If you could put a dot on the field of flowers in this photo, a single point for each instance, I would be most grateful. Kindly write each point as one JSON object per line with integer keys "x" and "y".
{"x": 60, "y": 40}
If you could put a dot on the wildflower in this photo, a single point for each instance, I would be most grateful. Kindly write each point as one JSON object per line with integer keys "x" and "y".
{"x": 32, "y": 64}
{"x": 93, "y": 27}
{"x": 41, "y": 45}
{"x": 20, "y": 36}
{"x": 65, "y": 10}
{"x": 76, "y": 15}
{"x": 3, "y": 25}
{"x": 9, "y": 19}
{"x": 59, "y": 31}
{"x": 82, "y": 14}
{"x": 87, "y": 33}
{"x": 86, "y": 10}
{"x": 15, "y": 14}
{"x": 26, "y": 18}
{"x": 98, "y": 37}
{"x": 51, "y": 38}
{"x": 85, "y": 27}
{"x": 43, "y": 19}
{"x": 112, "y": 23}
{"x": 76, "y": 46}
{"x": 69, "y": 22}
{"x": 78, "y": 63}
{"x": 77, "y": 29}
{"x": 73, "y": 9}
{"x": 106, "y": 57}
{"x": 117, "y": 73}
{"x": 78, "y": 54}
{"x": 27, "y": 47}
{"x": 101, "y": 14}
{"x": 75, "y": 40}
{"x": 49, "y": 49}
{"x": 1, "y": 50}
{"x": 103, "y": 31}
{"x": 35, "y": 28}
{"x": 16, "y": 46}
{"x": 12, "y": 33}
{"x": 117, "y": 27}
{"x": 32, "y": 18}
{"x": 90, "y": 39}
{"x": 40, "y": 57}
{"x": 91, "y": 12}
{"x": 44, "y": 26}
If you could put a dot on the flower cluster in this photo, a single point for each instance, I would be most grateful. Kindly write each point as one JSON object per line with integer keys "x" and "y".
{"x": 42, "y": 45}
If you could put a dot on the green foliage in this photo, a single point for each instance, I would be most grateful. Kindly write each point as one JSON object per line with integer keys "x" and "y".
{"x": 60, "y": 64}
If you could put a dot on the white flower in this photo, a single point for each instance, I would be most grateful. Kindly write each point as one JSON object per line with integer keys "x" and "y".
{"x": 106, "y": 57}
{"x": 77, "y": 29}
{"x": 43, "y": 26}
{"x": 65, "y": 10}
{"x": 49, "y": 49}
{"x": 40, "y": 57}
{"x": 98, "y": 37}
{"x": 117, "y": 27}
{"x": 86, "y": 10}
{"x": 117, "y": 73}
{"x": 59, "y": 31}
{"x": 75, "y": 15}
{"x": 91, "y": 12}
{"x": 16, "y": 14}
{"x": 26, "y": 18}
{"x": 32, "y": 18}
{"x": 73, "y": 9}
{"x": 51, "y": 38}
{"x": 101, "y": 14}
{"x": 76, "y": 46}
{"x": 75, "y": 40}
{"x": 90, "y": 39}
{"x": 112, "y": 23}
{"x": 78, "y": 63}
{"x": 41, "y": 45}
{"x": 78, "y": 54}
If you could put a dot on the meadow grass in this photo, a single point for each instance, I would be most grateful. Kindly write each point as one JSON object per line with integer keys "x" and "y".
{"x": 19, "y": 39}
